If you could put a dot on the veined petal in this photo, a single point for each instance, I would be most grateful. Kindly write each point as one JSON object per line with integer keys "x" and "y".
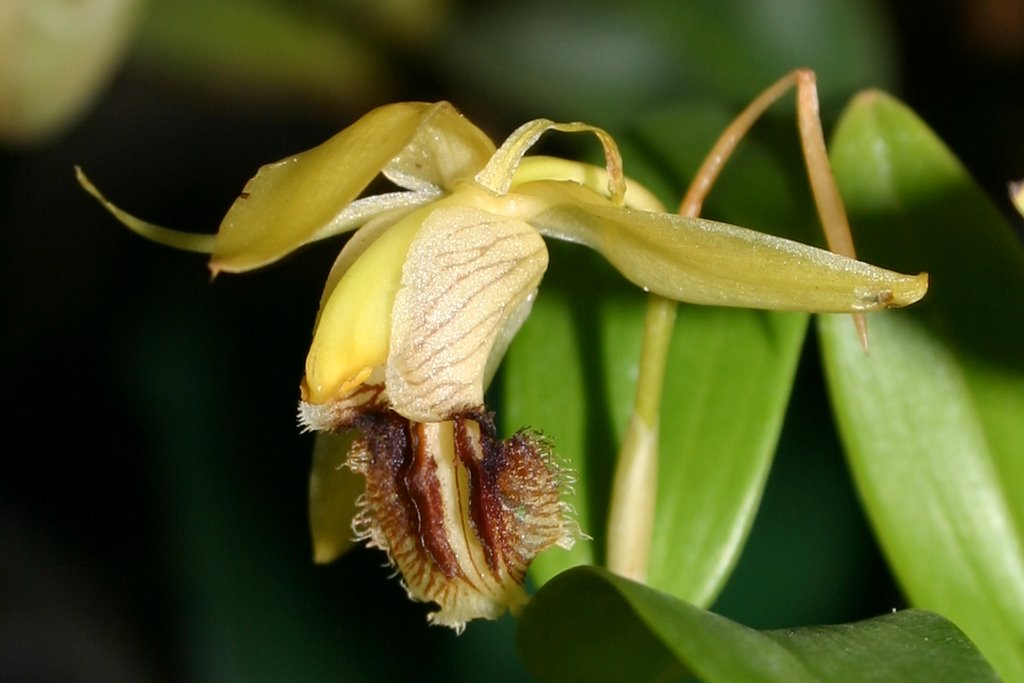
{"x": 466, "y": 273}
{"x": 289, "y": 201}
{"x": 706, "y": 262}
{"x": 446, "y": 148}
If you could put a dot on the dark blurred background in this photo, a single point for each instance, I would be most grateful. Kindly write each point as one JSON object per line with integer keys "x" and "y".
{"x": 153, "y": 489}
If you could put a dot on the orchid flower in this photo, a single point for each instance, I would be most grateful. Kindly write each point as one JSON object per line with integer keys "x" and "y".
{"x": 426, "y": 296}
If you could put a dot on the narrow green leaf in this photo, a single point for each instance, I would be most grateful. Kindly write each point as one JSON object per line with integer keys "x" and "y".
{"x": 589, "y": 625}
{"x": 933, "y": 420}
{"x": 729, "y": 377}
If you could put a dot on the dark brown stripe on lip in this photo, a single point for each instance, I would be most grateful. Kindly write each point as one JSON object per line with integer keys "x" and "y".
{"x": 484, "y": 506}
{"x": 424, "y": 491}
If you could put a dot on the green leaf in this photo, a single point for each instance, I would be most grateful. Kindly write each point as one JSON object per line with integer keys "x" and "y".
{"x": 933, "y": 420}
{"x": 728, "y": 382}
{"x": 661, "y": 48}
{"x": 589, "y": 625}
{"x": 261, "y": 49}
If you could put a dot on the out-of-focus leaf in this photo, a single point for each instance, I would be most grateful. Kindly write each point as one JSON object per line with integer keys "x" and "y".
{"x": 588, "y": 625}
{"x": 407, "y": 23}
{"x": 735, "y": 48}
{"x": 933, "y": 420}
{"x": 597, "y": 54}
{"x": 270, "y": 49}
{"x": 55, "y": 56}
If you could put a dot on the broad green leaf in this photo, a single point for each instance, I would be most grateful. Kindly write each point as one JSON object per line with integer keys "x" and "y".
{"x": 933, "y": 420}
{"x": 589, "y": 625}
{"x": 728, "y": 383}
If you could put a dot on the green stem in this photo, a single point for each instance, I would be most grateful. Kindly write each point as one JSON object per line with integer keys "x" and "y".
{"x": 634, "y": 488}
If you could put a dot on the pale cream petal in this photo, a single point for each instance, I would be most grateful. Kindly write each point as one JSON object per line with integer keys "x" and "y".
{"x": 706, "y": 262}
{"x": 466, "y": 274}
{"x": 445, "y": 149}
{"x": 288, "y": 202}
{"x": 506, "y": 334}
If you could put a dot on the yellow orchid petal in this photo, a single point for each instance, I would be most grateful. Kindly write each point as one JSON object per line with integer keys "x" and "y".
{"x": 351, "y": 336}
{"x": 540, "y": 167}
{"x": 356, "y": 245}
{"x": 288, "y": 202}
{"x": 497, "y": 176}
{"x": 333, "y": 490}
{"x": 446, "y": 148}
{"x": 187, "y": 241}
{"x": 465, "y": 275}
{"x": 706, "y": 262}
{"x": 1017, "y": 195}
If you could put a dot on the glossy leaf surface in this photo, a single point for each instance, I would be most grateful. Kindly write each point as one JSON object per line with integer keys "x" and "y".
{"x": 933, "y": 420}
{"x": 589, "y": 625}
